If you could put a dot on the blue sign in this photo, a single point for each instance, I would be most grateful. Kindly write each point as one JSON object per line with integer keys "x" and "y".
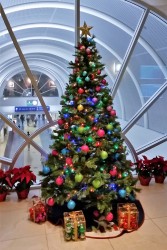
{"x": 34, "y": 108}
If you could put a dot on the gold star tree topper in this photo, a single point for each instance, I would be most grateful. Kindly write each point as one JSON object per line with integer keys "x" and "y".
{"x": 85, "y": 30}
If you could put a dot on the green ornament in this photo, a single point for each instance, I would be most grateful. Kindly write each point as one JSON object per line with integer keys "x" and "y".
{"x": 105, "y": 99}
{"x": 81, "y": 229}
{"x": 116, "y": 146}
{"x": 96, "y": 183}
{"x": 124, "y": 174}
{"x": 90, "y": 139}
{"x": 65, "y": 110}
{"x": 67, "y": 171}
{"x": 84, "y": 73}
{"x": 109, "y": 126}
{"x": 87, "y": 128}
{"x": 80, "y": 129}
{"x": 102, "y": 169}
{"x": 99, "y": 105}
{"x": 103, "y": 154}
{"x": 78, "y": 177}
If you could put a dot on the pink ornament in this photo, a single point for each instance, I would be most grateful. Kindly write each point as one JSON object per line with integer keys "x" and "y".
{"x": 109, "y": 108}
{"x": 82, "y": 47}
{"x": 94, "y": 99}
{"x": 60, "y": 122}
{"x": 103, "y": 81}
{"x": 96, "y": 213}
{"x": 69, "y": 161}
{"x": 85, "y": 148}
{"x": 113, "y": 112}
{"x": 88, "y": 51}
{"x": 51, "y": 201}
{"x": 59, "y": 180}
{"x": 54, "y": 152}
{"x": 113, "y": 172}
{"x": 98, "y": 88}
{"x": 101, "y": 132}
{"x": 99, "y": 72}
{"x": 66, "y": 136}
{"x": 109, "y": 217}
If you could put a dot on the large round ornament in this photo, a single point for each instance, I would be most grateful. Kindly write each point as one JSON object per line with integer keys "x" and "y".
{"x": 113, "y": 112}
{"x": 71, "y": 204}
{"x": 80, "y": 91}
{"x": 46, "y": 170}
{"x": 101, "y": 133}
{"x": 80, "y": 129}
{"x": 55, "y": 153}
{"x": 80, "y": 107}
{"x": 59, "y": 180}
{"x": 69, "y": 161}
{"x": 60, "y": 122}
{"x": 85, "y": 148}
{"x": 98, "y": 88}
{"x": 122, "y": 193}
{"x": 78, "y": 177}
{"x": 96, "y": 183}
{"x": 90, "y": 139}
{"x": 84, "y": 73}
{"x": 50, "y": 201}
{"x": 109, "y": 126}
{"x": 103, "y": 154}
{"x": 113, "y": 172}
{"x": 109, "y": 217}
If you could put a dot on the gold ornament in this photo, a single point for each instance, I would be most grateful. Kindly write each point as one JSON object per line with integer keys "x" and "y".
{"x": 80, "y": 107}
{"x": 85, "y": 30}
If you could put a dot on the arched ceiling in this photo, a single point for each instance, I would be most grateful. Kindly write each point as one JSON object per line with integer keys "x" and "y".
{"x": 45, "y": 31}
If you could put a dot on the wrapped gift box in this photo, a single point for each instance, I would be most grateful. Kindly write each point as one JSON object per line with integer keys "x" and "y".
{"x": 128, "y": 216}
{"x": 74, "y": 225}
{"x": 37, "y": 212}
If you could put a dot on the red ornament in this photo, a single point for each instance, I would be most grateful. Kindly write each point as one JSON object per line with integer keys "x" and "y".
{"x": 60, "y": 122}
{"x": 99, "y": 72}
{"x": 94, "y": 128}
{"x": 59, "y": 181}
{"x": 98, "y": 88}
{"x": 109, "y": 217}
{"x": 113, "y": 112}
{"x": 51, "y": 201}
{"x": 96, "y": 213}
{"x": 101, "y": 133}
{"x": 80, "y": 91}
{"x": 85, "y": 148}
{"x": 113, "y": 172}
{"x": 88, "y": 51}
{"x": 69, "y": 161}
{"x": 92, "y": 76}
{"x": 54, "y": 152}
{"x": 98, "y": 144}
{"x": 76, "y": 60}
{"x": 103, "y": 81}
{"x": 82, "y": 47}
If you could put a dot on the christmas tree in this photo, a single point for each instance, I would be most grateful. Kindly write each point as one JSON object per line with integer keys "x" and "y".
{"x": 88, "y": 163}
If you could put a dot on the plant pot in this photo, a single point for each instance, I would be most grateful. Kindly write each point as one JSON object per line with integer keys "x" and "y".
{"x": 144, "y": 181}
{"x": 23, "y": 194}
{"x": 3, "y": 196}
{"x": 159, "y": 178}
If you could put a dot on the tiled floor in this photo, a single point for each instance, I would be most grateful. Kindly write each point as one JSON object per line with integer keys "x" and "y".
{"x": 18, "y": 233}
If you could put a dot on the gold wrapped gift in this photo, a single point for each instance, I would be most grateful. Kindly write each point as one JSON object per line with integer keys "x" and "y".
{"x": 128, "y": 216}
{"x": 74, "y": 225}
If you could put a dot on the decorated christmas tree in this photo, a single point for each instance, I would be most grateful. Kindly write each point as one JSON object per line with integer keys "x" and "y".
{"x": 88, "y": 163}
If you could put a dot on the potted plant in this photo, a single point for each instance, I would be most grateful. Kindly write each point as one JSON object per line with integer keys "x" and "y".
{"x": 144, "y": 170}
{"x": 22, "y": 178}
{"x": 5, "y": 184}
{"x": 159, "y": 168}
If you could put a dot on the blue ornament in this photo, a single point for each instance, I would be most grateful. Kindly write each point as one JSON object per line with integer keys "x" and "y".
{"x": 131, "y": 197}
{"x": 64, "y": 151}
{"x": 84, "y": 73}
{"x": 71, "y": 204}
{"x": 116, "y": 156}
{"x": 88, "y": 99}
{"x": 87, "y": 79}
{"x": 78, "y": 150}
{"x": 122, "y": 193}
{"x": 72, "y": 103}
{"x": 109, "y": 132}
{"x": 112, "y": 186}
{"x": 66, "y": 115}
{"x": 46, "y": 169}
{"x": 95, "y": 120}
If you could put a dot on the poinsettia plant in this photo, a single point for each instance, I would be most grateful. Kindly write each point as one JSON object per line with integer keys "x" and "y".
{"x": 22, "y": 178}
{"x": 143, "y": 167}
{"x": 159, "y": 166}
{"x": 5, "y": 181}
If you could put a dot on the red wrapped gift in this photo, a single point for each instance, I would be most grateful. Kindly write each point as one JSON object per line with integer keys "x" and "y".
{"x": 128, "y": 216}
{"x": 37, "y": 212}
